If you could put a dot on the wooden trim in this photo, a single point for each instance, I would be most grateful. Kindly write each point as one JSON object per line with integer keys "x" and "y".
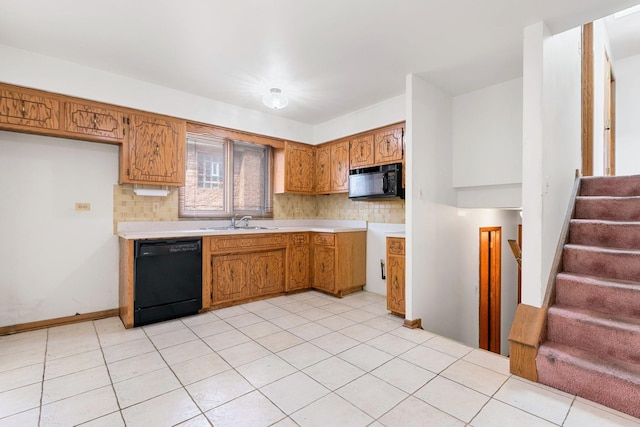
{"x": 490, "y": 277}
{"x": 413, "y": 324}
{"x": 390, "y": 126}
{"x": 556, "y": 266}
{"x": 233, "y": 134}
{"x": 126, "y": 282}
{"x": 528, "y": 330}
{"x": 42, "y": 324}
{"x": 587, "y": 99}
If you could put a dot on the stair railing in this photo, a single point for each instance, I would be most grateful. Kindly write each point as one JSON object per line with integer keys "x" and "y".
{"x": 529, "y": 328}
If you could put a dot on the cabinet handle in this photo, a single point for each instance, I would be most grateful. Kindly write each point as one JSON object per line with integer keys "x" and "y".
{"x": 395, "y": 282}
{"x": 388, "y": 142}
{"x": 232, "y": 278}
{"x": 361, "y": 151}
{"x": 299, "y": 267}
{"x": 266, "y": 270}
{"x": 23, "y": 110}
{"x": 322, "y": 267}
{"x": 95, "y": 121}
{"x": 157, "y": 149}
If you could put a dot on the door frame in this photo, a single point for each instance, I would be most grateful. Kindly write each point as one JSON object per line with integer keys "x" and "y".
{"x": 489, "y": 288}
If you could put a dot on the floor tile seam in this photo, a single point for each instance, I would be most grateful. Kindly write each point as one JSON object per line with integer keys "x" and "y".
{"x": 182, "y": 386}
{"x": 102, "y": 346}
{"x": 339, "y": 397}
{"x": 294, "y": 373}
{"x": 541, "y": 386}
{"x": 566, "y": 417}
{"x": 113, "y": 389}
{"x": 264, "y": 385}
{"x": 24, "y": 385}
{"x": 94, "y": 387}
{"x": 453, "y": 355}
{"x": 243, "y": 395}
{"x": 440, "y": 374}
{"x": 606, "y": 409}
{"x": 485, "y": 367}
{"x": 494, "y": 398}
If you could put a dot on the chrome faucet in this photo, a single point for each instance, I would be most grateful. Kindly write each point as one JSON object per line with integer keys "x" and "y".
{"x": 235, "y": 221}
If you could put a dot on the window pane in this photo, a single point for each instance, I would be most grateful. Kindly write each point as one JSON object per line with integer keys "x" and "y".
{"x": 249, "y": 177}
{"x": 204, "y": 190}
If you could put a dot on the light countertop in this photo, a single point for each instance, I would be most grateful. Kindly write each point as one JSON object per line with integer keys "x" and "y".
{"x": 174, "y": 229}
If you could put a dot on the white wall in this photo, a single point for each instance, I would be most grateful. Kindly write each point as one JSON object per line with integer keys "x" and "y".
{"x": 55, "y": 261}
{"x": 41, "y": 72}
{"x": 431, "y": 215}
{"x": 627, "y": 73}
{"x": 377, "y": 115}
{"x": 487, "y": 136}
{"x": 467, "y": 240}
{"x": 376, "y": 251}
{"x": 551, "y": 147}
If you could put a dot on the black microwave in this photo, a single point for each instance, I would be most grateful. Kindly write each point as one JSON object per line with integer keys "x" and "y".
{"x": 376, "y": 182}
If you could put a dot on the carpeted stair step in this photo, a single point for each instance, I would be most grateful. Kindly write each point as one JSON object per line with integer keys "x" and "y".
{"x": 622, "y": 186}
{"x": 616, "y": 264}
{"x": 610, "y": 234}
{"x": 601, "y": 334}
{"x": 597, "y": 294}
{"x": 609, "y": 382}
{"x": 608, "y": 208}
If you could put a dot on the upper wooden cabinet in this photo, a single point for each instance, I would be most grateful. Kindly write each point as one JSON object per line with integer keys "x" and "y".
{"x": 388, "y": 145}
{"x": 97, "y": 122}
{"x": 332, "y": 167}
{"x": 26, "y": 110}
{"x": 154, "y": 152}
{"x": 377, "y": 147}
{"x": 294, "y": 168}
{"x": 361, "y": 151}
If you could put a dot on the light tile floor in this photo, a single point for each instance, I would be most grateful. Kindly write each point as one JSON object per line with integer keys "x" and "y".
{"x": 306, "y": 359}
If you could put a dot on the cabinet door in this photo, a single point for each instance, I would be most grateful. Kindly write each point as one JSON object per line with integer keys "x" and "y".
{"x": 361, "y": 151}
{"x": 299, "y": 268}
{"x": 323, "y": 169}
{"x": 155, "y": 152}
{"x": 340, "y": 167}
{"x": 299, "y": 168}
{"x": 24, "y": 111}
{"x": 267, "y": 272}
{"x": 324, "y": 268}
{"x": 395, "y": 284}
{"x": 101, "y": 123}
{"x": 230, "y": 277}
{"x": 388, "y": 146}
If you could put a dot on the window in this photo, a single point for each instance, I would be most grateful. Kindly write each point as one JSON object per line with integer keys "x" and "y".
{"x": 225, "y": 177}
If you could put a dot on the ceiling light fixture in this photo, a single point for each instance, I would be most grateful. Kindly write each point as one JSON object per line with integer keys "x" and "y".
{"x": 626, "y": 12}
{"x": 275, "y": 99}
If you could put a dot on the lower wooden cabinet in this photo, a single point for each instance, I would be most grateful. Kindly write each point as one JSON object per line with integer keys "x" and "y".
{"x": 299, "y": 262}
{"x": 339, "y": 262}
{"x": 237, "y": 268}
{"x": 396, "y": 275}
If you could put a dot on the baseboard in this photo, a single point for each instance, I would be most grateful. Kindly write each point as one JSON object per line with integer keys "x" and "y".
{"x": 42, "y": 324}
{"x": 412, "y": 324}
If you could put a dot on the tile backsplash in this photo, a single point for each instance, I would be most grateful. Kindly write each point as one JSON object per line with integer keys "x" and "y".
{"x": 127, "y": 206}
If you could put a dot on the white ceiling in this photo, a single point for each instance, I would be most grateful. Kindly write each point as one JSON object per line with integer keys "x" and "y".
{"x": 330, "y": 57}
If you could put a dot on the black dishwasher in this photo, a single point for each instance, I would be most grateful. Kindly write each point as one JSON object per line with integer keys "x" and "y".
{"x": 168, "y": 279}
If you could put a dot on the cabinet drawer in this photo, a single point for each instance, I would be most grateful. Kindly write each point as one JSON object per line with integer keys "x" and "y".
{"x": 395, "y": 245}
{"x": 247, "y": 243}
{"x": 324, "y": 239}
{"x": 300, "y": 239}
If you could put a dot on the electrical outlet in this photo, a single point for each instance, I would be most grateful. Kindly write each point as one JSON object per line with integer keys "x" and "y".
{"x": 83, "y": 207}
{"x": 156, "y": 206}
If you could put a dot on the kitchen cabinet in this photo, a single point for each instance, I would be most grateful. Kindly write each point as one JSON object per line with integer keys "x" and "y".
{"x": 396, "y": 275}
{"x": 95, "y": 121}
{"x": 237, "y": 267}
{"x": 339, "y": 262}
{"x": 332, "y": 167}
{"x": 26, "y": 110}
{"x": 377, "y": 147}
{"x": 361, "y": 151}
{"x": 388, "y": 145}
{"x": 299, "y": 262}
{"x": 154, "y": 152}
{"x": 294, "y": 168}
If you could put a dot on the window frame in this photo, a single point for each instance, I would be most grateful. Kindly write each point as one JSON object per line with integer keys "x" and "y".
{"x": 230, "y": 138}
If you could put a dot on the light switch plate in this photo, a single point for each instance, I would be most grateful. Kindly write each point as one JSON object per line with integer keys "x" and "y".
{"x": 83, "y": 207}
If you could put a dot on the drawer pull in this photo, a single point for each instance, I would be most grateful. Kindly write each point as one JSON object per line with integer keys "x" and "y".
{"x": 23, "y": 110}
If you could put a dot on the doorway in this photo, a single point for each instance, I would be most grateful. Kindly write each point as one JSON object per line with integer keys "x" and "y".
{"x": 609, "y": 118}
{"x": 490, "y": 295}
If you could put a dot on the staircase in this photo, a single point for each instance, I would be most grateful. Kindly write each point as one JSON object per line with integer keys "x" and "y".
{"x": 593, "y": 328}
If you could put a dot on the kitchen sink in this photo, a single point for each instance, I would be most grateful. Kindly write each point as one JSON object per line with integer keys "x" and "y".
{"x": 230, "y": 228}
